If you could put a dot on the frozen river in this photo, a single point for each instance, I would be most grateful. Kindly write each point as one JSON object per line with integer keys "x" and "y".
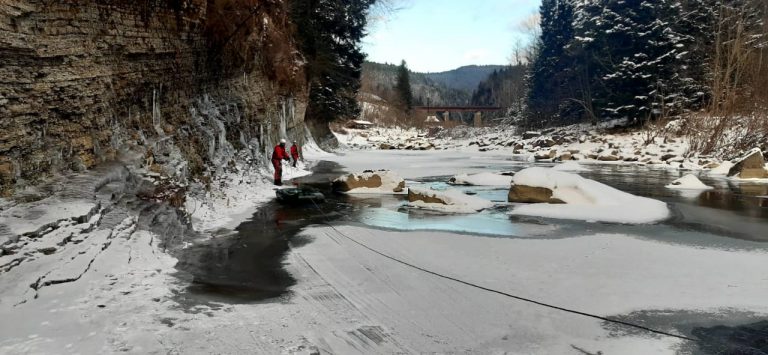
{"x": 697, "y": 274}
{"x": 304, "y": 280}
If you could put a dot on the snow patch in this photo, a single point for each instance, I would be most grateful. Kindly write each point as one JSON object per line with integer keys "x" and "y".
{"x": 482, "y": 179}
{"x": 688, "y": 182}
{"x": 455, "y": 201}
{"x": 722, "y": 169}
{"x": 587, "y": 199}
{"x": 570, "y": 166}
{"x": 22, "y": 220}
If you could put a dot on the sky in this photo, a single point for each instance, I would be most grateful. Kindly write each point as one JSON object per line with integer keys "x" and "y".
{"x": 440, "y": 35}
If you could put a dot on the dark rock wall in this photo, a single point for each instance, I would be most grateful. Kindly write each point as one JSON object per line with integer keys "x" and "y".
{"x": 86, "y": 82}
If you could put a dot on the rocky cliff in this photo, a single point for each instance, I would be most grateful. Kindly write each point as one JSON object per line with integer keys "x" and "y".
{"x": 180, "y": 85}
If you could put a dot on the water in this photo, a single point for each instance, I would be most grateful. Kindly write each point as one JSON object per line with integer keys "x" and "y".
{"x": 246, "y": 265}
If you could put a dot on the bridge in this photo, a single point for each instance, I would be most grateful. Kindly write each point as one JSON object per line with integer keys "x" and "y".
{"x": 446, "y": 110}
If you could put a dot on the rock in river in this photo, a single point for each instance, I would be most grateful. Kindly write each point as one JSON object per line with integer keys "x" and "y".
{"x": 750, "y": 166}
{"x": 369, "y": 181}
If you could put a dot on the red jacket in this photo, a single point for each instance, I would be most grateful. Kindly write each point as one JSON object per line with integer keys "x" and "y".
{"x": 279, "y": 153}
{"x": 295, "y": 152}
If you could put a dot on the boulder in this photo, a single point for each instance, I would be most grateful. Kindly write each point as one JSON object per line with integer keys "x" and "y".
{"x": 369, "y": 179}
{"x": 531, "y": 194}
{"x": 531, "y": 134}
{"x": 545, "y": 143}
{"x": 446, "y": 200}
{"x": 545, "y": 155}
{"x": 666, "y": 157}
{"x": 750, "y": 166}
{"x": 565, "y": 157}
{"x": 608, "y": 158}
{"x": 414, "y": 195}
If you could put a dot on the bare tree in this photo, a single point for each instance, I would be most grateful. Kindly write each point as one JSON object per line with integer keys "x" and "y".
{"x": 738, "y": 71}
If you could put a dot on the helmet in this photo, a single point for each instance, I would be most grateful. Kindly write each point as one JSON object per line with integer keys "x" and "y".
{"x": 282, "y": 141}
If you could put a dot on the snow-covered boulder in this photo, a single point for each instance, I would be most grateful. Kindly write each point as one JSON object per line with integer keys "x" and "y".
{"x": 481, "y": 179}
{"x": 750, "y": 166}
{"x": 569, "y": 166}
{"x": 449, "y": 201}
{"x": 531, "y": 194}
{"x": 688, "y": 182}
{"x": 543, "y": 155}
{"x": 586, "y": 199}
{"x": 722, "y": 169}
{"x": 369, "y": 181}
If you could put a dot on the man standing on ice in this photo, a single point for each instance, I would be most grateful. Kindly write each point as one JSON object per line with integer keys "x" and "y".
{"x": 295, "y": 153}
{"x": 278, "y": 155}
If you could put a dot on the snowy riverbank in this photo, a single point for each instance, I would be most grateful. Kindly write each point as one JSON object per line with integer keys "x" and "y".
{"x": 582, "y": 143}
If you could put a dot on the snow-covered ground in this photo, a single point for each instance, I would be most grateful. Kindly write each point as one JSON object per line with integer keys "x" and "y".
{"x": 99, "y": 279}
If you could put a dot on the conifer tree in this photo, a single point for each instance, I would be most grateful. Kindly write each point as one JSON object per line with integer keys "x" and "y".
{"x": 403, "y": 86}
{"x": 329, "y": 34}
{"x": 548, "y": 81}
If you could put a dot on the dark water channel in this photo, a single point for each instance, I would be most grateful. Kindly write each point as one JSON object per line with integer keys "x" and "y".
{"x": 246, "y": 265}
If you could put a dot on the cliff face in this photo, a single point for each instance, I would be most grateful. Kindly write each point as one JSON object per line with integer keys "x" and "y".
{"x": 182, "y": 83}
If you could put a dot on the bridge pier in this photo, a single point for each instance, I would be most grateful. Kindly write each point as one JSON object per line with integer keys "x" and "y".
{"x": 445, "y": 111}
{"x": 478, "y": 119}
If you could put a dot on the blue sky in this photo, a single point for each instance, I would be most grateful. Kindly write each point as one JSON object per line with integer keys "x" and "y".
{"x": 439, "y": 35}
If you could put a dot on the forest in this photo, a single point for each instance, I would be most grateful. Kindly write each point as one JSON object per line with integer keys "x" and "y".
{"x": 651, "y": 61}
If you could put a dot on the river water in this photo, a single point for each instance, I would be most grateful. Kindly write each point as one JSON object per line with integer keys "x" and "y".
{"x": 246, "y": 265}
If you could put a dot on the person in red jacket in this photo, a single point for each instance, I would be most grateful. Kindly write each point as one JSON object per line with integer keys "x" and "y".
{"x": 278, "y": 155}
{"x": 295, "y": 153}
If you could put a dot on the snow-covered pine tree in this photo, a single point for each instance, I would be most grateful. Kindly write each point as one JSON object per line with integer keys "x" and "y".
{"x": 549, "y": 77}
{"x": 696, "y": 25}
{"x": 635, "y": 55}
{"x": 329, "y": 32}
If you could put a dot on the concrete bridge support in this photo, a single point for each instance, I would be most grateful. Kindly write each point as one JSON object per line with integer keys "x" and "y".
{"x": 478, "y": 119}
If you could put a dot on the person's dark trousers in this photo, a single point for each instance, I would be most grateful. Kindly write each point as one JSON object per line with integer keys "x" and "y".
{"x": 278, "y": 172}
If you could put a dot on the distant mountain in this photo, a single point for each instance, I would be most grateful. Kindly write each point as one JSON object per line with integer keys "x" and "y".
{"x": 464, "y": 78}
{"x": 379, "y": 79}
